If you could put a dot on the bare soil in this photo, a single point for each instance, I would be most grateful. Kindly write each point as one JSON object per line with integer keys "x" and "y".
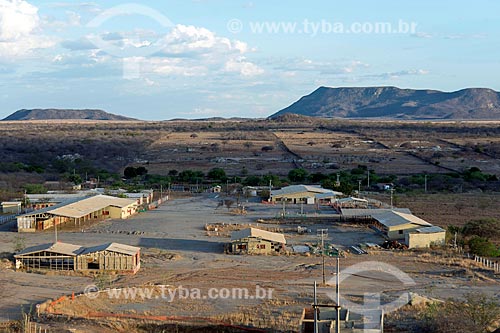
{"x": 178, "y": 253}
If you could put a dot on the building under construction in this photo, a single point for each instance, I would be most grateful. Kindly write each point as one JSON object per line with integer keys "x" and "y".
{"x": 255, "y": 241}
{"x": 69, "y": 257}
{"x": 77, "y": 211}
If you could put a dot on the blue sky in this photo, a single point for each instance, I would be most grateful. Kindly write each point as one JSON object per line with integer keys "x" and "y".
{"x": 158, "y": 60}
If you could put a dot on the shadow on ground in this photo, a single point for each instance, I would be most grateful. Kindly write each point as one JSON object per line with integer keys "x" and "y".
{"x": 182, "y": 245}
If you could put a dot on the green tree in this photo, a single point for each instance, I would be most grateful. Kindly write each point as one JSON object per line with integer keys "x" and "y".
{"x": 191, "y": 176}
{"x": 35, "y": 189}
{"x": 317, "y": 177}
{"x": 297, "y": 175}
{"x": 477, "y": 314}
{"x": 483, "y": 247}
{"x": 275, "y": 180}
{"x": 141, "y": 171}
{"x": 75, "y": 179}
{"x": 217, "y": 174}
{"x": 252, "y": 180}
{"x": 130, "y": 172}
{"x": 487, "y": 228}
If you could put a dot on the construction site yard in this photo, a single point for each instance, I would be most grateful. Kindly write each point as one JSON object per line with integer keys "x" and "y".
{"x": 182, "y": 260}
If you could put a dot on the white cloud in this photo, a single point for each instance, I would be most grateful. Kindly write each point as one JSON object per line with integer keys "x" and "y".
{"x": 17, "y": 19}
{"x": 242, "y": 66}
{"x": 396, "y": 75}
{"x": 19, "y": 23}
{"x": 199, "y": 112}
{"x": 422, "y": 35}
{"x": 186, "y": 50}
{"x": 354, "y": 65}
{"x": 188, "y": 39}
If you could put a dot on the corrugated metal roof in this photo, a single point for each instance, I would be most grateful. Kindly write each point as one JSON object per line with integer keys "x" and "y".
{"x": 59, "y": 248}
{"x": 430, "y": 230}
{"x": 48, "y": 209}
{"x": 11, "y": 203}
{"x": 74, "y": 250}
{"x": 292, "y": 189}
{"x": 113, "y": 247}
{"x": 89, "y": 205}
{"x": 58, "y": 197}
{"x": 394, "y": 218}
{"x": 368, "y": 212}
{"x": 351, "y": 199}
{"x": 326, "y": 195}
{"x": 258, "y": 233}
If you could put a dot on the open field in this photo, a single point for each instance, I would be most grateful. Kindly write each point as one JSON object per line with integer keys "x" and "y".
{"x": 177, "y": 252}
{"x": 444, "y": 209}
{"x": 318, "y": 145}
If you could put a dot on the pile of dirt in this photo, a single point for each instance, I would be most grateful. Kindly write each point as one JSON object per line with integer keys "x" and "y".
{"x": 225, "y": 229}
{"x": 159, "y": 255}
{"x": 6, "y": 264}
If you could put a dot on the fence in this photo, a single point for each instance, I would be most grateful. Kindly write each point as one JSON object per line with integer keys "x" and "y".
{"x": 6, "y": 219}
{"x": 495, "y": 265}
{"x": 155, "y": 204}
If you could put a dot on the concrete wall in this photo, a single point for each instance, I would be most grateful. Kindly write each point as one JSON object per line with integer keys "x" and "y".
{"x": 115, "y": 212}
{"x": 254, "y": 246}
{"x": 121, "y": 213}
{"x": 11, "y": 209}
{"x": 300, "y": 197}
{"x": 416, "y": 239}
{"x": 399, "y": 231}
{"x": 107, "y": 260}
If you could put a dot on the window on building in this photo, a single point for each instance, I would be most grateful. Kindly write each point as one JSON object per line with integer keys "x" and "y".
{"x": 400, "y": 232}
{"x": 261, "y": 246}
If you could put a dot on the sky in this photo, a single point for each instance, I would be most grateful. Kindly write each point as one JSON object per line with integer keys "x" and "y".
{"x": 158, "y": 60}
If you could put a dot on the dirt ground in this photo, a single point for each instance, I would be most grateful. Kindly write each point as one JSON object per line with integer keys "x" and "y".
{"x": 444, "y": 209}
{"x": 178, "y": 253}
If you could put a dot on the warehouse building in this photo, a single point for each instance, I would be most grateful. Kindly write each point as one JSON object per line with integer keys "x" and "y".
{"x": 395, "y": 224}
{"x": 398, "y": 224}
{"x": 425, "y": 237}
{"x": 11, "y": 207}
{"x": 306, "y": 194}
{"x": 256, "y": 241}
{"x": 77, "y": 211}
{"x": 69, "y": 257}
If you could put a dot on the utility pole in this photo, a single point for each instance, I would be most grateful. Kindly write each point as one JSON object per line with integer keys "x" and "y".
{"x": 315, "y": 308}
{"x": 323, "y": 233}
{"x": 338, "y": 294}
{"x": 425, "y": 183}
{"x": 270, "y": 189}
{"x": 55, "y": 229}
{"x": 359, "y": 188}
{"x": 368, "y": 182}
{"x": 25, "y": 201}
{"x": 392, "y": 194}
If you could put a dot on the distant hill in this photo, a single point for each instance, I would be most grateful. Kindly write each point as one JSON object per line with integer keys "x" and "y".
{"x": 49, "y": 114}
{"x": 395, "y": 103}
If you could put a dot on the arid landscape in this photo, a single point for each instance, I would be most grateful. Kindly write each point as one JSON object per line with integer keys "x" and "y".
{"x": 249, "y": 166}
{"x": 253, "y": 147}
{"x": 178, "y": 252}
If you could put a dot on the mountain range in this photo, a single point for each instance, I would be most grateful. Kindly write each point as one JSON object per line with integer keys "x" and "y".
{"x": 395, "y": 103}
{"x": 66, "y": 114}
